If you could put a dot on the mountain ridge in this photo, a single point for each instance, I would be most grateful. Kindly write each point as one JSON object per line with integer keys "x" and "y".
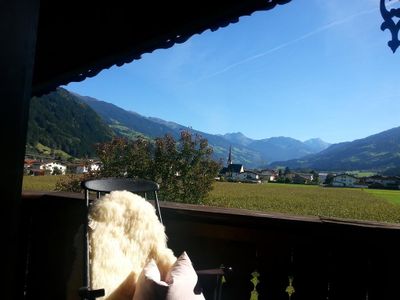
{"x": 73, "y": 123}
{"x": 60, "y": 121}
{"x": 379, "y": 151}
{"x": 249, "y": 152}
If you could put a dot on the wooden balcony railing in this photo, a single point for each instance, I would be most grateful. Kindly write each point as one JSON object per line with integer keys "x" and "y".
{"x": 290, "y": 257}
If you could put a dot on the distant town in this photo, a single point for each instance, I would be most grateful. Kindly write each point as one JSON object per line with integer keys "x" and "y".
{"x": 237, "y": 173}
{"x": 43, "y": 167}
{"x": 232, "y": 172}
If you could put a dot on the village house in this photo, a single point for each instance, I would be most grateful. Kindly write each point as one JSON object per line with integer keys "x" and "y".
{"x": 28, "y": 165}
{"x": 322, "y": 177}
{"x": 268, "y": 175}
{"x": 40, "y": 168}
{"x": 85, "y": 168}
{"x": 302, "y": 178}
{"x": 378, "y": 181}
{"x": 344, "y": 180}
{"x": 249, "y": 176}
{"x": 299, "y": 178}
{"x": 231, "y": 171}
{"x": 36, "y": 168}
{"x": 52, "y": 168}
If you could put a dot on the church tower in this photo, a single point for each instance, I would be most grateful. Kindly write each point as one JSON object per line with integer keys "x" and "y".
{"x": 229, "y": 162}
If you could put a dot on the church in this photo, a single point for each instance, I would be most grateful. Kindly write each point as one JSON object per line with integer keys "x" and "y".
{"x": 231, "y": 171}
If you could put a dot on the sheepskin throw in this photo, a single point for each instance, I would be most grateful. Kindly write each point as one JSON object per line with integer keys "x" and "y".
{"x": 125, "y": 234}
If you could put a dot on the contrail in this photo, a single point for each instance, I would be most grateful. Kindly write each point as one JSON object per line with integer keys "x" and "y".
{"x": 284, "y": 45}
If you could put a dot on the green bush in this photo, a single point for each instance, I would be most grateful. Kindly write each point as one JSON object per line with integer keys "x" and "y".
{"x": 72, "y": 182}
{"x": 184, "y": 168}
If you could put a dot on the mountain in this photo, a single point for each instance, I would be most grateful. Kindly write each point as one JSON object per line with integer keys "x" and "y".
{"x": 278, "y": 148}
{"x": 249, "y": 152}
{"x": 130, "y": 124}
{"x": 316, "y": 145}
{"x": 237, "y": 138}
{"x": 126, "y": 122}
{"x": 59, "y": 120}
{"x": 376, "y": 152}
{"x": 73, "y": 123}
{"x": 281, "y": 148}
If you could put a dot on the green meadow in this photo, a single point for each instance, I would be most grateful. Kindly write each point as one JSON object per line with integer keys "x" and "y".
{"x": 308, "y": 200}
{"x": 390, "y": 195}
{"x": 305, "y": 200}
{"x": 40, "y": 183}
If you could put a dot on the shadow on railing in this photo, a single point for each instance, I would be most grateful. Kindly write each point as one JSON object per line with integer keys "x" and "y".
{"x": 273, "y": 256}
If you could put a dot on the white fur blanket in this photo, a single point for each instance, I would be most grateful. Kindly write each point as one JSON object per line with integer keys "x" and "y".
{"x": 124, "y": 234}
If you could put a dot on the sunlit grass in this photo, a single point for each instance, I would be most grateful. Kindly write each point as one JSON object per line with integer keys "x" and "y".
{"x": 304, "y": 200}
{"x": 40, "y": 183}
{"x": 390, "y": 195}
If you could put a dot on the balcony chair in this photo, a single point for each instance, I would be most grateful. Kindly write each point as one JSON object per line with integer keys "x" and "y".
{"x": 107, "y": 185}
{"x": 143, "y": 188}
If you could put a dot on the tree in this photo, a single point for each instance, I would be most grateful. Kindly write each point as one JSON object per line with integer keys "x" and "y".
{"x": 196, "y": 169}
{"x": 287, "y": 171}
{"x": 315, "y": 177}
{"x": 329, "y": 178}
{"x": 72, "y": 182}
{"x": 113, "y": 156}
{"x": 56, "y": 171}
{"x": 184, "y": 169}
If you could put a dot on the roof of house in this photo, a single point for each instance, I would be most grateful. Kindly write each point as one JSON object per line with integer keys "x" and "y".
{"x": 344, "y": 174}
{"x": 29, "y": 161}
{"x": 251, "y": 172}
{"x": 303, "y": 175}
{"x": 235, "y": 168}
{"x": 77, "y": 39}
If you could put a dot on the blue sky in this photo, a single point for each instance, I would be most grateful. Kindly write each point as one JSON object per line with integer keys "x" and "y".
{"x": 310, "y": 68}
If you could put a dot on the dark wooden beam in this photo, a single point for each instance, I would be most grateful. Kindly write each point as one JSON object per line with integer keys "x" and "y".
{"x": 18, "y": 25}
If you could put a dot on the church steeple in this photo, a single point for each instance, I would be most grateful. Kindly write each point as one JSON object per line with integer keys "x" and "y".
{"x": 229, "y": 162}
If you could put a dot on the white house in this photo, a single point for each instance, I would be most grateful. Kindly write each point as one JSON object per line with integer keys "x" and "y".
{"x": 322, "y": 177}
{"x": 269, "y": 175}
{"x": 82, "y": 169}
{"x": 344, "y": 180}
{"x": 248, "y": 176}
{"x": 302, "y": 178}
{"x": 232, "y": 171}
{"x": 51, "y": 166}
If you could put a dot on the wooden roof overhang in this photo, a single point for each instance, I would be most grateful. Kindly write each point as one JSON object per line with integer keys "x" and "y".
{"x": 79, "y": 39}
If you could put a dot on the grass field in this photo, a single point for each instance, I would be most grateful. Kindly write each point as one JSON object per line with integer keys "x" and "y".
{"x": 361, "y": 204}
{"x": 39, "y": 183}
{"x": 305, "y": 200}
{"x": 392, "y": 196}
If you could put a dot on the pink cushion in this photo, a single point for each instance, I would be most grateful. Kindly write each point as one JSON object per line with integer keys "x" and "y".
{"x": 179, "y": 283}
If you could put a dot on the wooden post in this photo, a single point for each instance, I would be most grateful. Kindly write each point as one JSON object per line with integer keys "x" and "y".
{"x": 18, "y": 26}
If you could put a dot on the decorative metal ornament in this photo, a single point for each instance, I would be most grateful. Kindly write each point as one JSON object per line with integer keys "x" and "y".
{"x": 390, "y": 24}
{"x": 290, "y": 288}
{"x": 254, "y": 280}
